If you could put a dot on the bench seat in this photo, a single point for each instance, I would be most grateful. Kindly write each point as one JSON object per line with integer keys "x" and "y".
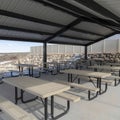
{"x": 105, "y": 80}
{"x": 68, "y": 96}
{"x": 84, "y": 87}
{"x": 79, "y": 86}
{"x": 115, "y": 77}
{"x": 14, "y": 111}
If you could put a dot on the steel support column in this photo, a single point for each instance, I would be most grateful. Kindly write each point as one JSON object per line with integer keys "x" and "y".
{"x": 44, "y": 54}
{"x": 85, "y": 52}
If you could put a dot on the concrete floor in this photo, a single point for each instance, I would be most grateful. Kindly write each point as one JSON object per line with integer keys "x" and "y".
{"x": 104, "y": 107}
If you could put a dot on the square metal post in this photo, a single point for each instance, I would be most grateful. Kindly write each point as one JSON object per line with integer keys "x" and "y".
{"x": 86, "y": 52}
{"x": 44, "y": 54}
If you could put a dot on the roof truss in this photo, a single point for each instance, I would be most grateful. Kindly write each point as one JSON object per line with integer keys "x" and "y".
{"x": 113, "y": 21}
{"x": 72, "y": 24}
{"x": 109, "y": 24}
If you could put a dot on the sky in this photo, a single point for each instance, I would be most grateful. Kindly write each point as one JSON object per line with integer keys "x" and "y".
{"x": 114, "y": 37}
{"x": 15, "y": 46}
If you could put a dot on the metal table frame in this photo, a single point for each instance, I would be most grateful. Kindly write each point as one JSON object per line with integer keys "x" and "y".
{"x": 44, "y": 101}
{"x": 70, "y": 79}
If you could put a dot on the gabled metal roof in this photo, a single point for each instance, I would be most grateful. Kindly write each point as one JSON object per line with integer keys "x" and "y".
{"x": 74, "y": 22}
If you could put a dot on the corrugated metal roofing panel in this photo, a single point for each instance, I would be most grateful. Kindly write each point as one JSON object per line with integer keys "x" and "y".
{"x": 37, "y": 10}
{"x": 93, "y": 27}
{"x": 111, "y": 5}
{"x": 68, "y": 40}
{"x": 34, "y": 9}
{"x": 8, "y": 33}
{"x": 8, "y": 21}
{"x": 81, "y": 35}
{"x": 85, "y": 8}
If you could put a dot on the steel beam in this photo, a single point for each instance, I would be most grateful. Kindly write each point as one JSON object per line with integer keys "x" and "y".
{"x": 44, "y": 33}
{"x": 33, "y": 40}
{"x": 81, "y": 12}
{"x": 27, "y": 18}
{"x": 20, "y": 39}
{"x": 72, "y": 24}
{"x": 107, "y": 36}
{"x": 76, "y": 38}
{"x": 67, "y": 43}
{"x": 70, "y": 10}
{"x": 46, "y": 3}
{"x": 39, "y": 32}
{"x": 86, "y": 31}
{"x": 91, "y": 4}
{"x": 3, "y": 27}
{"x": 36, "y": 20}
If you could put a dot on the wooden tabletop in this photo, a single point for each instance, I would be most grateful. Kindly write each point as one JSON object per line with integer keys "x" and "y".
{"x": 98, "y": 59}
{"x": 87, "y": 73}
{"x": 105, "y": 67}
{"x": 50, "y": 63}
{"x": 26, "y": 65}
{"x": 36, "y": 86}
{"x": 113, "y": 64}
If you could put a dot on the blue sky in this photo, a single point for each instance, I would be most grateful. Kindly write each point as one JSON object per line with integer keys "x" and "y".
{"x": 15, "y": 46}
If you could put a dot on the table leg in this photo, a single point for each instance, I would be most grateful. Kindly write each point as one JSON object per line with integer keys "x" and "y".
{"x": 52, "y": 109}
{"x": 29, "y": 70}
{"x": 68, "y": 77}
{"x": 46, "y": 109}
{"x": 32, "y": 71}
{"x": 89, "y": 95}
{"x": 58, "y": 68}
{"x": 118, "y": 81}
{"x": 90, "y": 63}
{"x": 11, "y": 73}
{"x": 19, "y": 68}
{"x": 16, "y": 95}
{"x": 21, "y": 97}
{"x": 95, "y": 69}
{"x": 22, "y": 71}
{"x": 99, "y": 86}
{"x": 26, "y": 101}
{"x": 71, "y": 78}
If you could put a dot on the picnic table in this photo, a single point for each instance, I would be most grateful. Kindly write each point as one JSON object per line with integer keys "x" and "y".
{"x": 86, "y": 73}
{"x": 51, "y": 66}
{"x": 105, "y": 67}
{"x": 99, "y": 61}
{"x": 29, "y": 66}
{"x": 37, "y": 87}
